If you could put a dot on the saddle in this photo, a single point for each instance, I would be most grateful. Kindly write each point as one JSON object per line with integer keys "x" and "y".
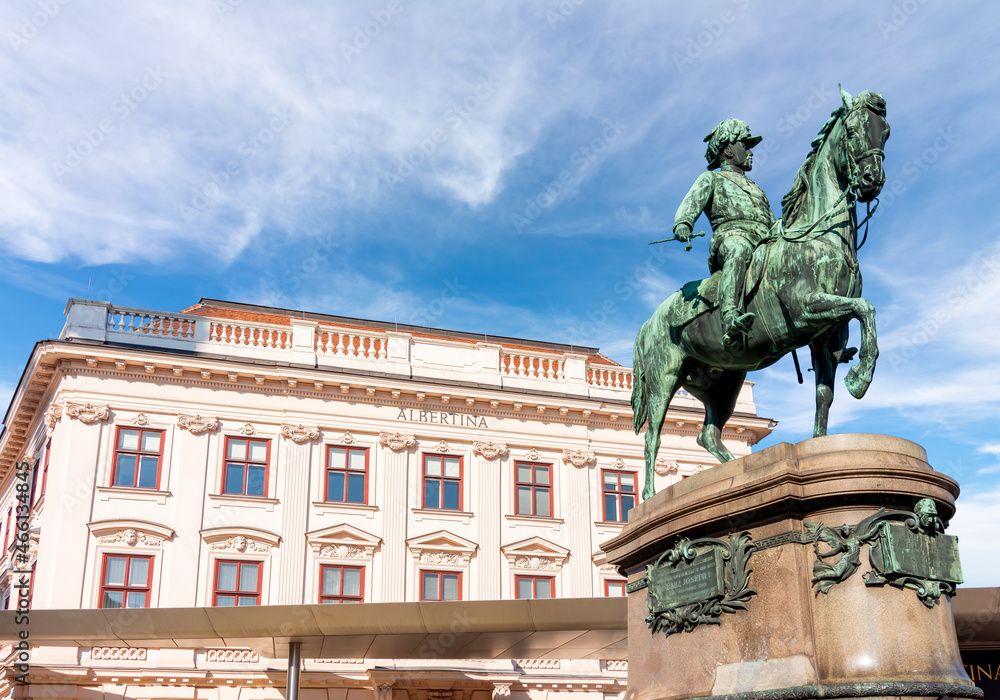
{"x": 699, "y": 297}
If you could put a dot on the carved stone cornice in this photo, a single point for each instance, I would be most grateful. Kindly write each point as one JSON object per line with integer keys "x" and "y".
{"x": 88, "y": 413}
{"x": 396, "y": 441}
{"x": 299, "y": 434}
{"x": 579, "y": 458}
{"x": 130, "y": 532}
{"x": 196, "y": 425}
{"x": 489, "y": 450}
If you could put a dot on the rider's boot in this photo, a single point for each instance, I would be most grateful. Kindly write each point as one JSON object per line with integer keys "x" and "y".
{"x": 736, "y": 322}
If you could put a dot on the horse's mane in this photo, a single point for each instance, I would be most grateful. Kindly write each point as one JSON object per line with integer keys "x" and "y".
{"x": 791, "y": 203}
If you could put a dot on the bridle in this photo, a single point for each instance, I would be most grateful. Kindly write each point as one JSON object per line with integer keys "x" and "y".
{"x": 850, "y": 193}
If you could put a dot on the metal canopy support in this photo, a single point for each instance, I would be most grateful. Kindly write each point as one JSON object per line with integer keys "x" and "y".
{"x": 294, "y": 664}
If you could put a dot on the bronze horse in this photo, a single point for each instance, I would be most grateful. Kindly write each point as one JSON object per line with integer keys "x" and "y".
{"x": 804, "y": 286}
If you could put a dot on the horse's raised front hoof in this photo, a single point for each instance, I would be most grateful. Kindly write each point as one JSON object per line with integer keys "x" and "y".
{"x": 857, "y": 381}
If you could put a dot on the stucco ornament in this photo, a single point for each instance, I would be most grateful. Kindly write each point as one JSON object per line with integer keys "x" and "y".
{"x": 396, "y": 441}
{"x": 579, "y": 458}
{"x": 489, "y": 450}
{"x": 197, "y": 425}
{"x": 348, "y": 439}
{"x": 131, "y": 537}
{"x": 342, "y": 551}
{"x": 533, "y": 562}
{"x": 141, "y": 420}
{"x": 533, "y": 455}
{"x": 443, "y": 447}
{"x": 248, "y": 429}
{"x": 52, "y": 416}
{"x": 299, "y": 434}
{"x": 664, "y": 466}
{"x": 240, "y": 543}
{"x": 88, "y": 413}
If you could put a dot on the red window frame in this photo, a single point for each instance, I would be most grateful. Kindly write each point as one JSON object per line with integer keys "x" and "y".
{"x": 442, "y": 481}
{"x": 246, "y": 464}
{"x": 45, "y": 467}
{"x": 616, "y": 582}
{"x": 532, "y": 486}
{"x": 6, "y": 533}
{"x": 423, "y": 573}
{"x": 125, "y": 588}
{"x": 535, "y": 581}
{"x": 139, "y": 453}
{"x": 347, "y": 472}
{"x": 237, "y": 594}
{"x": 618, "y": 494}
{"x": 341, "y": 597}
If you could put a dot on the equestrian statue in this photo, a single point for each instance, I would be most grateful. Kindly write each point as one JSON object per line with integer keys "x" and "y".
{"x": 775, "y": 285}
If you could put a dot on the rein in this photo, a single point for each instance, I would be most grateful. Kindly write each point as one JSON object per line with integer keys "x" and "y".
{"x": 850, "y": 193}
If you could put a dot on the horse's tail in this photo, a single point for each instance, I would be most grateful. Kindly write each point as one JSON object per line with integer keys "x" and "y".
{"x": 640, "y": 406}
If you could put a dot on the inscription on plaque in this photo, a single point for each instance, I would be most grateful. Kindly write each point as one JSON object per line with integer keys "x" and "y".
{"x": 697, "y": 581}
{"x": 688, "y": 583}
{"x": 915, "y": 554}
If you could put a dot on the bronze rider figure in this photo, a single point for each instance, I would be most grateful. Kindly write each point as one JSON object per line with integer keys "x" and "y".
{"x": 739, "y": 213}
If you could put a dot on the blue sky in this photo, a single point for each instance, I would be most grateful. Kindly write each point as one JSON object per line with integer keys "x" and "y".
{"x": 499, "y": 167}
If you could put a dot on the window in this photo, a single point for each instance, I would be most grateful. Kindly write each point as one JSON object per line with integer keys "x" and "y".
{"x": 237, "y": 583}
{"x": 342, "y": 584}
{"x": 535, "y": 587}
{"x": 125, "y": 581}
{"x": 440, "y": 585}
{"x": 45, "y": 468}
{"x": 137, "y": 458}
{"x": 6, "y": 533}
{"x": 614, "y": 588}
{"x": 347, "y": 474}
{"x": 246, "y": 467}
{"x": 619, "y": 496}
{"x": 442, "y": 482}
{"x": 534, "y": 489}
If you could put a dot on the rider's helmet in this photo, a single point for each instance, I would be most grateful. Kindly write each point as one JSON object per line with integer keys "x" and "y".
{"x": 729, "y": 131}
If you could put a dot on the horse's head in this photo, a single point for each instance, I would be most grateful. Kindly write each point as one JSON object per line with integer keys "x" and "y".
{"x": 865, "y": 132}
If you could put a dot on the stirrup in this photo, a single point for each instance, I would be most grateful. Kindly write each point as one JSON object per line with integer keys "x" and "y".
{"x": 740, "y": 326}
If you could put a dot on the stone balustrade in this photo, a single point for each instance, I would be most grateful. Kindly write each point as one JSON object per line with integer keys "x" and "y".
{"x": 307, "y": 343}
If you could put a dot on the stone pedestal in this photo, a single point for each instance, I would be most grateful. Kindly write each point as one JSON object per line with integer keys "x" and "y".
{"x": 855, "y": 640}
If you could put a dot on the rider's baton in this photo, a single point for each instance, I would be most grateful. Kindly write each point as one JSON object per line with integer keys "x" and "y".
{"x": 674, "y": 238}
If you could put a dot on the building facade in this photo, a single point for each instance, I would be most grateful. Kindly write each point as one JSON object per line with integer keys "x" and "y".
{"x": 241, "y": 455}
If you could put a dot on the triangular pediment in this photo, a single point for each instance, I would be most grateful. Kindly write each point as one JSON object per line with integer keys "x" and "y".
{"x": 535, "y": 553}
{"x": 442, "y": 540}
{"x": 343, "y": 542}
{"x": 442, "y": 548}
{"x": 343, "y": 533}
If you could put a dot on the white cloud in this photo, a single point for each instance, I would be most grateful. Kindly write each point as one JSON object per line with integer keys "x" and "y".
{"x": 978, "y": 547}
